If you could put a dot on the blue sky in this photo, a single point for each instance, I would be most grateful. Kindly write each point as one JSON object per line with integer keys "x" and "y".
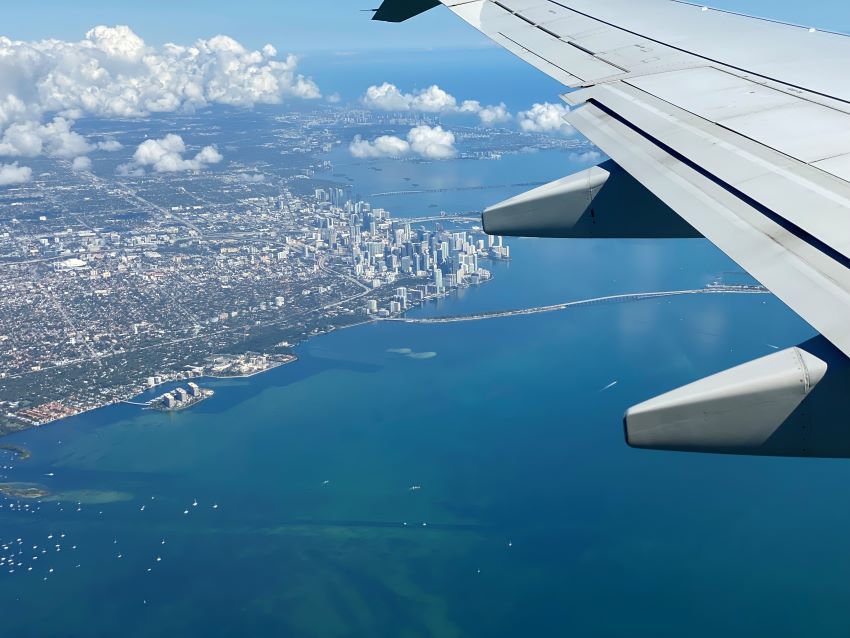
{"x": 310, "y": 25}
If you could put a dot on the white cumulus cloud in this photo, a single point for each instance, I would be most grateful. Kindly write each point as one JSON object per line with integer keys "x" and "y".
{"x": 384, "y": 146}
{"x": 56, "y": 139}
{"x": 432, "y": 142}
{"x": 426, "y": 141}
{"x": 586, "y": 157}
{"x": 110, "y": 145}
{"x": 545, "y": 118}
{"x": 388, "y": 97}
{"x": 13, "y": 174}
{"x": 492, "y": 115}
{"x": 45, "y": 85}
{"x": 81, "y": 163}
{"x": 433, "y": 100}
{"x": 165, "y": 155}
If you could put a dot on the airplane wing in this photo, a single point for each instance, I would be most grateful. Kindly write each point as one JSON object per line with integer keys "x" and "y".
{"x": 740, "y": 127}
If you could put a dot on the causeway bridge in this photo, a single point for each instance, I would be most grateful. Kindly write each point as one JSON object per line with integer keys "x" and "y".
{"x": 640, "y": 296}
{"x": 454, "y": 189}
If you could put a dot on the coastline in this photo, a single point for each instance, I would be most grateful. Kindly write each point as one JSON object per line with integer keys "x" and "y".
{"x": 248, "y": 375}
{"x": 291, "y": 358}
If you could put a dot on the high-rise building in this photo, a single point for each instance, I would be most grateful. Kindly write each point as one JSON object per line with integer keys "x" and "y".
{"x": 401, "y": 296}
{"x": 438, "y": 279}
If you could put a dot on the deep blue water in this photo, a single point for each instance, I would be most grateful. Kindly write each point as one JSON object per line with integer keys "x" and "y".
{"x": 523, "y": 472}
{"x": 538, "y": 520}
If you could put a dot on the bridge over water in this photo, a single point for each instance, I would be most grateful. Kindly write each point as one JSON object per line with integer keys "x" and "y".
{"x": 464, "y": 217}
{"x": 497, "y": 314}
{"x": 455, "y": 189}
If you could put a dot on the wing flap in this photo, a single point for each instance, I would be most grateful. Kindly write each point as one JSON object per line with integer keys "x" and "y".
{"x": 803, "y": 196}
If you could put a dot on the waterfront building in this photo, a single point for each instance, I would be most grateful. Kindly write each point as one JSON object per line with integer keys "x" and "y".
{"x": 438, "y": 279}
{"x": 401, "y": 296}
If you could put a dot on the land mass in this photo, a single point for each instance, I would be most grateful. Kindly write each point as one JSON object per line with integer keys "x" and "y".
{"x": 22, "y": 452}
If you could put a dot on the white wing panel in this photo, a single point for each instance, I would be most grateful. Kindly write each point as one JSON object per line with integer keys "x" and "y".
{"x": 563, "y": 55}
{"x": 662, "y": 34}
{"x": 804, "y": 130}
{"x": 713, "y": 94}
{"x": 815, "y": 202}
{"x": 838, "y": 166}
{"x": 756, "y": 243}
{"x": 812, "y": 60}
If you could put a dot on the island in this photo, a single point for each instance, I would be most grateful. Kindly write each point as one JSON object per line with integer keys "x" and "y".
{"x": 23, "y": 490}
{"x": 22, "y": 453}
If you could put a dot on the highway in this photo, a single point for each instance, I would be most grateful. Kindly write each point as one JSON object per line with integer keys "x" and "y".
{"x": 499, "y": 314}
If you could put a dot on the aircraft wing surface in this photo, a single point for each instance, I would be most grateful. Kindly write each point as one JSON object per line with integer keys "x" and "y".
{"x": 739, "y": 125}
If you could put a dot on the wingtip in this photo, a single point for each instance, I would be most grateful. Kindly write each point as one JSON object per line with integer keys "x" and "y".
{"x": 401, "y": 10}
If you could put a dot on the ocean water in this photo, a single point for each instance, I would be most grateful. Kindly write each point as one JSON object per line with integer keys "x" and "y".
{"x": 417, "y": 189}
{"x": 283, "y": 505}
{"x": 533, "y": 517}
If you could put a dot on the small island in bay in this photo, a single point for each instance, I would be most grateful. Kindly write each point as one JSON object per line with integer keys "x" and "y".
{"x": 30, "y": 491}
{"x": 21, "y": 452}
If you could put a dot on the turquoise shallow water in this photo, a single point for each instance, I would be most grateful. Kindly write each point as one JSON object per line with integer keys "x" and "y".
{"x": 537, "y": 519}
